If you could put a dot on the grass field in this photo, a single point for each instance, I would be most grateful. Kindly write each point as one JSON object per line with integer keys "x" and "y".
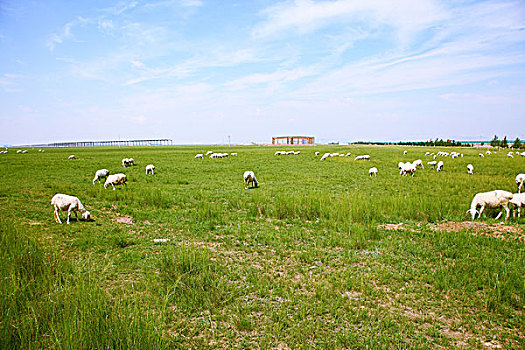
{"x": 319, "y": 256}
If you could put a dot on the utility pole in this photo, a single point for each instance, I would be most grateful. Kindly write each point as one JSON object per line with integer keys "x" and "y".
{"x": 229, "y": 141}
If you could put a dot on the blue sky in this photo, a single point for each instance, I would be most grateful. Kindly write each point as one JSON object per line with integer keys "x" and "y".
{"x": 199, "y": 71}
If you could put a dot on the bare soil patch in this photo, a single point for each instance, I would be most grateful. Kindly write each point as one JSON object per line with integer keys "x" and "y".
{"x": 498, "y": 230}
{"x": 126, "y": 219}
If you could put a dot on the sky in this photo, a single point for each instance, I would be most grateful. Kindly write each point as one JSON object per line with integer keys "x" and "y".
{"x": 206, "y": 72}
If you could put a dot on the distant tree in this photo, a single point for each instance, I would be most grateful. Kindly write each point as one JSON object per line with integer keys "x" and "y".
{"x": 495, "y": 141}
{"x": 504, "y": 142}
{"x": 517, "y": 143}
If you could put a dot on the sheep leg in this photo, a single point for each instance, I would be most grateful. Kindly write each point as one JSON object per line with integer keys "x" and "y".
{"x": 507, "y": 210}
{"x": 499, "y": 215}
{"x": 57, "y": 217}
{"x": 68, "y": 215}
{"x": 481, "y": 210}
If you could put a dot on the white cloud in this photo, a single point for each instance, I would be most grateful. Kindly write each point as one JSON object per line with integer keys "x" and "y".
{"x": 304, "y": 16}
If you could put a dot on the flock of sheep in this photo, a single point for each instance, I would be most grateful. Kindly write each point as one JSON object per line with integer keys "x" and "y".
{"x": 64, "y": 202}
{"x": 492, "y": 199}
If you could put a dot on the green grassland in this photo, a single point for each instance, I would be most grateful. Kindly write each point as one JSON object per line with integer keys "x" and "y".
{"x": 303, "y": 261}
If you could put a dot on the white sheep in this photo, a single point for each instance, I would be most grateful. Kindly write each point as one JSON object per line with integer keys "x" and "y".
{"x": 249, "y": 177}
{"x": 71, "y": 204}
{"x": 470, "y": 169}
{"x": 372, "y": 171}
{"x": 150, "y": 169}
{"x": 233, "y": 154}
{"x": 492, "y": 199}
{"x": 126, "y": 162}
{"x": 326, "y": 155}
{"x": 520, "y": 181}
{"x": 419, "y": 163}
{"x": 407, "y": 168}
{"x": 209, "y": 152}
{"x": 405, "y": 152}
{"x": 316, "y": 153}
{"x": 200, "y": 155}
{"x": 432, "y": 163}
{"x": 363, "y": 157}
{"x": 99, "y": 174}
{"x": 71, "y": 157}
{"x": 439, "y": 166}
{"x": 481, "y": 155}
{"x": 518, "y": 199}
{"x": 115, "y": 180}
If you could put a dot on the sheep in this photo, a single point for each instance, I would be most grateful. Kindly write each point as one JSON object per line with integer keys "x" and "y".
{"x": 492, "y": 199}
{"x": 209, "y": 152}
{"x": 510, "y": 155}
{"x": 316, "y": 153}
{"x": 326, "y": 155}
{"x": 432, "y": 163}
{"x": 126, "y": 162}
{"x": 115, "y": 179}
{"x": 470, "y": 169}
{"x": 150, "y": 169}
{"x": 348, "y": 154}
{"x": 249, "y": 177}
{"x": 233, "y": 154}
{"x": 372, "y": 171}
{"x": 363, "y": 157}
{"x": 71, "y": 157}
{"x": 518, "y": 199}
{"x": 71, "y": 204}
{"x": 439, "y": 166}
{"x": 417, "y": 163}
{"x": 405, "y": 152}
{"x": 407, "y": 168}
{"x": 99, "y": 174}
{"x": 200, "y": 155}
{"x": 481, "y": 155}
{"x": 520, "y": 181}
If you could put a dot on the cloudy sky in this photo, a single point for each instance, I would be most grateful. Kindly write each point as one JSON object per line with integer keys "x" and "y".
{"x": 198, "y": 71}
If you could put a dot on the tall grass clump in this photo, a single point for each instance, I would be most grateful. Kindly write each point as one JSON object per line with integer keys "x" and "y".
{"x": 193, "y": 280}
{"x": 48, "y": 303}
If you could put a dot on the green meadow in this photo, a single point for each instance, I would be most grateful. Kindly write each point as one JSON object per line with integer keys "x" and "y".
{"x": 320, "y": 255}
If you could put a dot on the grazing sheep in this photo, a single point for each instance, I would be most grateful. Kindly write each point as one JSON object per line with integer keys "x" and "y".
{"x": 348, "y": 154}
{"x": 419, "y": 163}
{"x": 405, "y": 152}
{"x": 510, "y": 155}
{"x": 481, "y": 155}
{"x": 372, "y": 171}
{"x": 71, "y": 204}
{"x": 200, "y": 155}
{"x": 115, "y": 180}
{"x": 326, "y": 155}
{"x": 518, "y": 199}
{"x": 150, "y": 169}
{"x": 249, "y": 177}
{"x": 492, "y": 199}
{"x": 432, "y": 163}
{"x": 439, "y": 166}
{"x": 520, "y": 181}
{"x": 71, "y": 157}
{"x": 407, "y": 168}
{"x": 233, "y": 154}
{"x": 127, "y": 162}
{"x": 99, "y": 174}
{"x": 316, "y": 153}
{"x": 363, "y": 157}
{"x": 470, "y": 169}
